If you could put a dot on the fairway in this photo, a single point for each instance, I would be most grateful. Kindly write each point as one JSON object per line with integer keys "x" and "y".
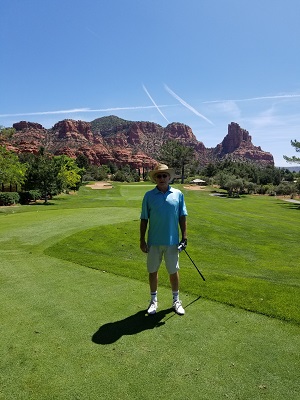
{"x": 74, "y": 291}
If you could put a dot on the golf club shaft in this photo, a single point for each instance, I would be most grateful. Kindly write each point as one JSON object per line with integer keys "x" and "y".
{"x": 194, "y": 265}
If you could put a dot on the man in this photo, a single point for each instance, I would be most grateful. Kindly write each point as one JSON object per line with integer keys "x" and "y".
{"x": 165, "y": 210}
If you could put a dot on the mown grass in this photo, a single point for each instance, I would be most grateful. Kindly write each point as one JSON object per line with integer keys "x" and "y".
{"x": 247, "y": 249}
{"x": 71, "y": 332}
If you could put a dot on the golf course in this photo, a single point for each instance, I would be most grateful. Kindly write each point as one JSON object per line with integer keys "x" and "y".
{"x": 74, "y": 290}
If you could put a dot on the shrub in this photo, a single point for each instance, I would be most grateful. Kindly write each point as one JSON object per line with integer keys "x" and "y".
{"x": 9, "y": 198}
{"x": 31, "y": 195}
{"x": 285, "y": 189}
{"x": 263, "y": 189}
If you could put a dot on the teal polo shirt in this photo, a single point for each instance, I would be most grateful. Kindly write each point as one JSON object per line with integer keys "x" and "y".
{"x": 163, "y": 211}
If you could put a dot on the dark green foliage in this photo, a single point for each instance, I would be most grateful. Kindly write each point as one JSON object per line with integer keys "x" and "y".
{"x": 95, "y": 173}
{"x": 285, "y": 188}
{"x": 126, "y": 174}
{"x": 82, "y": 161}
{"x": 42, "y": 175}
{"x": 9, "y": 198}
{"x": 248, "y": 171}
{"x": 177, "y": 155}
{"x": 31, "y": 195}
{"x": 109, "y": 125}
{"x": 50, "y": 174}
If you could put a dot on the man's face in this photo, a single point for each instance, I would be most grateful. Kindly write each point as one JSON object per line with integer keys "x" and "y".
{"x": 162, "y": 181}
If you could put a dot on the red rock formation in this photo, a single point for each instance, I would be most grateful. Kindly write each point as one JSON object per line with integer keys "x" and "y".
{"x": 183, "y": 132}
{"x": 24, "y": 126}
{"x": 238, "y": 144}
{"x": 111, "y": 139}
{"x": 73, "y": 129}
{"x": 29, "y": 137}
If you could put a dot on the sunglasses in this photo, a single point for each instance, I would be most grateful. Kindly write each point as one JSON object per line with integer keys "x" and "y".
{"x": 159, "y": 176}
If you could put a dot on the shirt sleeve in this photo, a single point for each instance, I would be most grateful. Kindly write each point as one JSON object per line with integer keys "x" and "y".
{"x": 182, "y": 207}
{"x": 144, "y": 212}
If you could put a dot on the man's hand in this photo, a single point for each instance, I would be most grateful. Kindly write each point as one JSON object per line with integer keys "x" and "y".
{"x": 182, "y": 245}
{"x": 143, "y": 246}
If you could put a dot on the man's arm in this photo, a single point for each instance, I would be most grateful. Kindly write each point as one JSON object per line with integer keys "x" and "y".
{"x": 182, "y": 224}
{"x": 183, "y": 227}
{"x": 143, "y": 229}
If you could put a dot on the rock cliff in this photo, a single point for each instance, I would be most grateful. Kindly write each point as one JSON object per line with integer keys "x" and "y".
{"x": 237, "y": 144}
{"x": 112, "y": 139}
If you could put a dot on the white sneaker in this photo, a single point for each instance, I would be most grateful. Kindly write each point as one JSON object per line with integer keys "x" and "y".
{"x": 152, "y": 307}
{"x": 178, "y": 307}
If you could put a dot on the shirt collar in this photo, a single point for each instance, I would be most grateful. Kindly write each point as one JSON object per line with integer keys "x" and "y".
{"x": 170, "y": 190}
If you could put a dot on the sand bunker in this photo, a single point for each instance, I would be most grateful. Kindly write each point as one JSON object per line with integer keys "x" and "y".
{"x": 194, "y": 187}
{"x": 100, "y": 185}
{"x": 107, "y": 185}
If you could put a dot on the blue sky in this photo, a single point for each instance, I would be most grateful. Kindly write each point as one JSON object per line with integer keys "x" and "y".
{"x": 204, "y": 63}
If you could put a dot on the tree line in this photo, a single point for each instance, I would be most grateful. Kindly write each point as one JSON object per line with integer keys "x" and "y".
{"x": 27, "y": 177}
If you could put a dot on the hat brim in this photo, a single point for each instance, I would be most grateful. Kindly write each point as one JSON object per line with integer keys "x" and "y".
{"x": 152, "y": 174}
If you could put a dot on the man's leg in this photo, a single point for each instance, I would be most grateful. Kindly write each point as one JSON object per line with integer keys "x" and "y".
{"x": 153, "y": 281}
{"x": 174, "y": 279}
{"x": 153, "y": 262}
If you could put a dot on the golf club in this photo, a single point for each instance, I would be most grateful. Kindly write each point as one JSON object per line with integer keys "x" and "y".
{"x": 180, "y": 248}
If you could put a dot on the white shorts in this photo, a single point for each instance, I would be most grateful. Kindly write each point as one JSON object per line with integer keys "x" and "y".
{"x": 156, "y": 254}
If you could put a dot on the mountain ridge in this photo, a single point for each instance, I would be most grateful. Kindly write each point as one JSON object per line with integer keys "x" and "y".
{"x": 137, "y": 143}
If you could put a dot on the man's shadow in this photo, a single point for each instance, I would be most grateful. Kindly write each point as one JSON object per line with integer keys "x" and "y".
{"x": 113, "y": 331}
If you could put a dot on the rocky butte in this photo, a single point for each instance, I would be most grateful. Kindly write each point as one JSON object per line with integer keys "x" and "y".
{"x": 114, "y": 140}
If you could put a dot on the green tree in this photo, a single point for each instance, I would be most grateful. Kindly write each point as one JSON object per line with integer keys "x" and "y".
{"x": 12, "y": 172}
{"x": 210, "y": 170}
{"x": 50, "y": 174}
{"x": 222, "y": 178}
{"x": 68, "y": 173}
{"x": 42, "y": 174}
{"x": 231, "y": 183}
{"x": 294, "y": 159}
{"x": 285, "y": 189}
{"x": 46, "y": 175}
{"x": 251, "y": 187}
{"x": 176, "y": 155}
{"x": 82, "y": 161}
{"x": 126, "y": 174}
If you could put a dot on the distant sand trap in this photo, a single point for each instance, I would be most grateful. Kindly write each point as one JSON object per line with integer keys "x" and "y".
{"x": 100, "y": 185}
{"x": 194, "y": 187}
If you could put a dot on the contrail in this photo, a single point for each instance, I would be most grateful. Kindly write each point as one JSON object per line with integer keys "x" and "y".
{"x": 83, "y": 110}
{"x": 184, "y": 103}
{"x": 148, "y": 94}
{"x": 284, "y": 96}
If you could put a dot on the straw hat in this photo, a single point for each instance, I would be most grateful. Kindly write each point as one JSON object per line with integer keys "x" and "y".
{"x": 161, "y": 168}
